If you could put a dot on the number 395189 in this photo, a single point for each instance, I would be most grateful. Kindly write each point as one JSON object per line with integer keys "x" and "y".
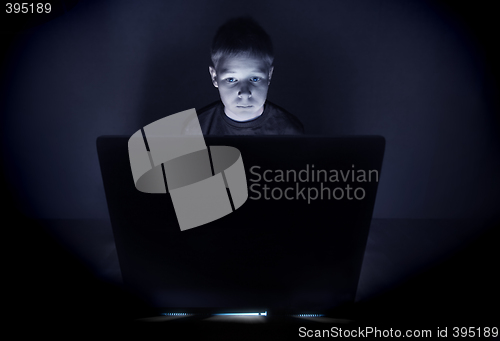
{"x": 27, "y": 7}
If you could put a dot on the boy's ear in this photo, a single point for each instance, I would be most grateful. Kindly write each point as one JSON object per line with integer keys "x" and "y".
{"x": 213, "y": 75}
{"x": 271, "y": 69}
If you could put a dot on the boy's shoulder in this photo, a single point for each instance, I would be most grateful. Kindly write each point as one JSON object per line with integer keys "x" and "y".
{"x": 209, "y": 110}
{"x": 289, "y": 122}
{"x": 203, "y": 115}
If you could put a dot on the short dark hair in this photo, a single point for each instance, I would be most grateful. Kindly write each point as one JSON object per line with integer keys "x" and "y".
{"x": 242, "y": 36}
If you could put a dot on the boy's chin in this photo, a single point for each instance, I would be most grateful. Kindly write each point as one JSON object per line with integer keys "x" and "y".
{"x": 243, "y": 112}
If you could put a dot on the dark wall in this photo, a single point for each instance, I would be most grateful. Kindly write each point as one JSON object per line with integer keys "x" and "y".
{"x": 410, "y": 71}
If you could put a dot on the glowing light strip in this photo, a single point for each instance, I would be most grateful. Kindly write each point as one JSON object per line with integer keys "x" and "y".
{"x": 244, "y": 314}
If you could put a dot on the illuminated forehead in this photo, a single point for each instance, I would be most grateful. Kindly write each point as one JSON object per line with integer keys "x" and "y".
{"x": 242, "y": 64}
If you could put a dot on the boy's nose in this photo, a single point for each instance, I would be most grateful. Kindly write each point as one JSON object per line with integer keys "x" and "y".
{"x": 244, "y": 92}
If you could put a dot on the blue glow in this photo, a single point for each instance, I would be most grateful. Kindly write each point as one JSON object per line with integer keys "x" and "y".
{"x": 244, "y": 314}
{"x": 309, "y": 315}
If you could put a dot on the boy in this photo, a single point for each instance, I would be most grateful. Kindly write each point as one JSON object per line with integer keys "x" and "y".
{"x": 242, "y": 57}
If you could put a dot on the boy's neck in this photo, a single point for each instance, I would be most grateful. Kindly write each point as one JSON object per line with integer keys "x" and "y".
{"x": 243, "y": 118}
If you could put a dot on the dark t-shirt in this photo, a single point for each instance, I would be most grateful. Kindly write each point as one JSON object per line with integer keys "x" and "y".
{"x": 273, "y": 121}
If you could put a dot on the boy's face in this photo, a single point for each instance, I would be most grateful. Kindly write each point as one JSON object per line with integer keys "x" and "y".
{"x": 243, "y": 82}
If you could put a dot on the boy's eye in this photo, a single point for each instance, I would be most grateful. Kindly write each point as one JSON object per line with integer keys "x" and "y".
{"x": 255, "y": 79}
{"x": 231, "y": 80}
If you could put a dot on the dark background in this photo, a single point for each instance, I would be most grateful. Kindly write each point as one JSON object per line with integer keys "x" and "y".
{"x": 423, "y": 74}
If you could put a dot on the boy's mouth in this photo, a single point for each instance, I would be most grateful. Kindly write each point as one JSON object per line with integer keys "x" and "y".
{"x": 244, "y": 106}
